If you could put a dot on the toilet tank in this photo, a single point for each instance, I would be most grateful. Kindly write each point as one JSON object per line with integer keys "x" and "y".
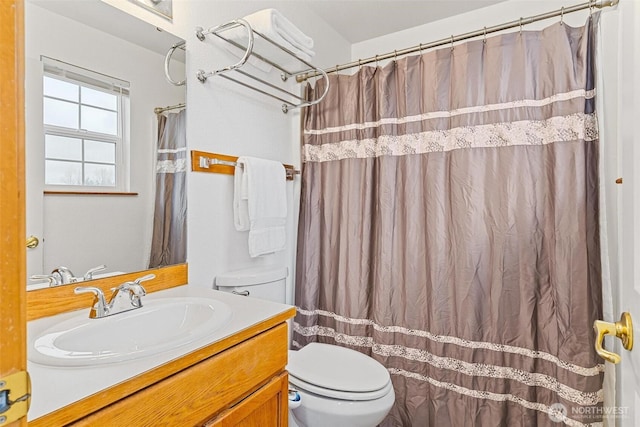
{"x": 267, "y": 283}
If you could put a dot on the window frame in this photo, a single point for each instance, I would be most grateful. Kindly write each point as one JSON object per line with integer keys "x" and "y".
{"x": 60, "y": 71}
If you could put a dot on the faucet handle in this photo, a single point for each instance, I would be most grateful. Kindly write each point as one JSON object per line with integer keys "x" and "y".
{"x": 53, "y": 280}
{"x": 89, "y": 274}
{"x": 135, "y": 290}
{"x": 144, "y": 278}
{"x": 100, "y": 307}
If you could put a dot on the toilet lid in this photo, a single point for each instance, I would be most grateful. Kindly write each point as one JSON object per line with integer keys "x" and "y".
{"x": 337, "y": 368}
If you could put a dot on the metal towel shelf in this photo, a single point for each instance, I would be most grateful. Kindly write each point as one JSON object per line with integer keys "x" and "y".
{"x": 289, "y": 99}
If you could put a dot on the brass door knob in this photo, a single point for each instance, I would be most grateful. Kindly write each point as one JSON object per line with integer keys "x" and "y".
{"x": 622, "y": 329}
{"x": 32, "y": 242}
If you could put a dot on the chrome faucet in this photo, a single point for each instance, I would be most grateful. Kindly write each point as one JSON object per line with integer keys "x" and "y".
{"x": 124, "y": 298}
{"x": 64, "y": 275}
{"x": 59, "y": 276}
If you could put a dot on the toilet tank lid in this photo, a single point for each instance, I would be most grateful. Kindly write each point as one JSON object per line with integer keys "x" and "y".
{"x": 252, "y": 276}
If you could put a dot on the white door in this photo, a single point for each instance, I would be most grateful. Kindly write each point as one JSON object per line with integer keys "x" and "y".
{"x": 34, "y": 164}
{"x": 628, "y": 371}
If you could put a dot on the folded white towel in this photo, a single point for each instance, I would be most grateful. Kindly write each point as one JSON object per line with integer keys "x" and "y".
{"x": 272, "y": 24}
{"x": 261, "y": 185}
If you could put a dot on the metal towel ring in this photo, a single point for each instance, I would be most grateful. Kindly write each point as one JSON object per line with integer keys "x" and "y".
{"x": 167, "y": 60}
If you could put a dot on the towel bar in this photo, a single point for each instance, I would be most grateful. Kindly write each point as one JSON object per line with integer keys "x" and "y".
{"x": 202, "y": 161}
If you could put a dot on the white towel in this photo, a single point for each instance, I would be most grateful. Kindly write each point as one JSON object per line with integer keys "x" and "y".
{"x": 260, "y": 200}
{"x": 272, "y": 24}
{"x": 240, "y": 199}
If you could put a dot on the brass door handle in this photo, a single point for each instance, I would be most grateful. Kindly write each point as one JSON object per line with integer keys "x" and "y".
{"x": 622, "y": 329}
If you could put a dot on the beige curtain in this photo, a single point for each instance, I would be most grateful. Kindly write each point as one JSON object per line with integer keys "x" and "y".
{"x": 169, "y": 241}
{"x": 449, "y": 229}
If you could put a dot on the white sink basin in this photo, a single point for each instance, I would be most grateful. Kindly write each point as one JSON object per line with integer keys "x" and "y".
{"x": 159, "y": 325}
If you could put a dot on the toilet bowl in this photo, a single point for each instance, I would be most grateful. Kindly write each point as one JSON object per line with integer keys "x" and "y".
{"x": 338, "y": 387}
{"x": 333, "y": 386}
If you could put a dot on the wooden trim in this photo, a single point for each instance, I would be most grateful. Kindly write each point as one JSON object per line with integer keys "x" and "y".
{"x": 13, "y": 354}
{"x": 40, "y": 302}
{"x": 226, "y": 169}
{"x": 88, "y": 193}
{"x": 107, "y": 397}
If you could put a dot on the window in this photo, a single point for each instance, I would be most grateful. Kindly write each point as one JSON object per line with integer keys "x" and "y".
{"x": 85, "y": 116}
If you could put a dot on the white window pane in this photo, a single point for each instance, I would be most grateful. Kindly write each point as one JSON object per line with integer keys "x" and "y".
{"x": 60, "y": 147}
{"x": 99, "y": 99}
{"x": 96, "y": 120}
{"x": 97, "y": 151}
{"x": 60, "y": 89}
{"x": 62, "y": 173}
{"x": 99, "y": 175}
{"x": 60, "y": 113}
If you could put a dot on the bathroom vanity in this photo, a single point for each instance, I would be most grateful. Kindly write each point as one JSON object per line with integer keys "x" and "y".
{"x": 237, "y": 377}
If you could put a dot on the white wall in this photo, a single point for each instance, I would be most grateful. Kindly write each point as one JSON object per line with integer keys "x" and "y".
{"x": 84, "y": 231}
{"x": 228, "y": 119}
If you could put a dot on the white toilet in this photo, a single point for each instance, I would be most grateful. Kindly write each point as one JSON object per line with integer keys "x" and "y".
{"x": 337, "y": 386}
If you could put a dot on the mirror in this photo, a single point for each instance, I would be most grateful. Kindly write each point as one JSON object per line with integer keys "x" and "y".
{"x": 77, "y": 56}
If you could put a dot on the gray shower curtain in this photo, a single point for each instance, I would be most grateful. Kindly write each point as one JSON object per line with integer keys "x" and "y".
{"x": 449, "y": 229}
{"x": 169, "y": 240}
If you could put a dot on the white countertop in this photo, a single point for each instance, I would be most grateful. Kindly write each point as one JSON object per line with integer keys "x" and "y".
{"x": 55, "y": 387}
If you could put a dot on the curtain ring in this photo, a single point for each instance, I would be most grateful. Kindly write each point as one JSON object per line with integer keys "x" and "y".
{"x": 359, "y": 64}
{"x": 591, "y": 4}
{"x": 420, "y": 48}
{"x": 521, "y": 25}
{"x": 484, "y": 40}
{"x": 337, "y": 71}
{"x": 376, "y": 61}
{"x": 562, "y": 14}
{"x": 395, "y": 55}
{"x": 452, "y": 42}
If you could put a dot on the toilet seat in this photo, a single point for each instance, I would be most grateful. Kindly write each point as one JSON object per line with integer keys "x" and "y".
{"x": 338, "y": 372}
{"x": 340, "y": 395}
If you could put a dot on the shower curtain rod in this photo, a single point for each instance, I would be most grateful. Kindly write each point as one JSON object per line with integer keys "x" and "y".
{"x": 482, "y": 32}
{"x": 159, "y": 110}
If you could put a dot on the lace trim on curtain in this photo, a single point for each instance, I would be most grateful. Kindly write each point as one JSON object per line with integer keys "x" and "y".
{"x": 472, "y": 369}
{"x": 554, "y": 411}
{"x": 580, "y": 370}
{"x": 574, "y": 127}
{"x": 580, "y": 93}
{"x": 171, "y": 166}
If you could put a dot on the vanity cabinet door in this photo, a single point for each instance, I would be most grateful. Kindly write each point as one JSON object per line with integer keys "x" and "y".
{"x": 266, "y": 407}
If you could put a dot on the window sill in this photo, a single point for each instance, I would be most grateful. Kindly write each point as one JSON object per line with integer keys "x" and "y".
{"x": 89, "y": 193}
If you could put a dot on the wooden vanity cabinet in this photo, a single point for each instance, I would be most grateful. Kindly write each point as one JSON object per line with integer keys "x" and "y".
{"x": 244, "y": 385}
